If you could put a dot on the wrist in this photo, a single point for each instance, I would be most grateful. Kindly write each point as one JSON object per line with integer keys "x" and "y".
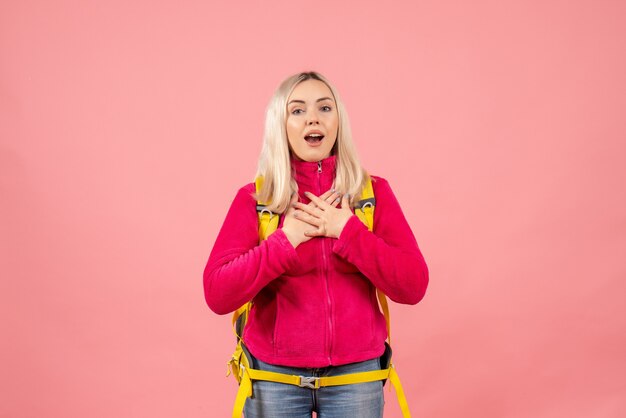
{"x": 292, "y": 238}
{"x": 343, "y": 224}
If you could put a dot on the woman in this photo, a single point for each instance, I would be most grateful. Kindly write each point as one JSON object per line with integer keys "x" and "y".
{"x": 313, "y": 281}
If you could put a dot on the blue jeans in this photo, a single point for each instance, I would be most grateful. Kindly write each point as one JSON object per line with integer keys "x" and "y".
{"x": 278, "y": 400}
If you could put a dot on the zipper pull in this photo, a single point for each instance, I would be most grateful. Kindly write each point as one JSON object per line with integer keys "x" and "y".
{"x": 319, "y": 166}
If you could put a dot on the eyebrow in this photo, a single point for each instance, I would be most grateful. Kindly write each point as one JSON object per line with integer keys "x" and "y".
{"x": 302, "y": 101}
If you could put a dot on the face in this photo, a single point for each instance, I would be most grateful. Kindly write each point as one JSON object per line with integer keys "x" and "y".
{"x": 312, "y": 121}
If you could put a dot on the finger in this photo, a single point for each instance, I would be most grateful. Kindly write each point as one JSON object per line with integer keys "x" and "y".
{"x": 327, "y": 194}
{"x": 319, "y": 202}
{"x": 315, "y": 233}
{"x": 310, "y": 209}
{"x": 311, "y": 220}
{"x": 334, "y": 199}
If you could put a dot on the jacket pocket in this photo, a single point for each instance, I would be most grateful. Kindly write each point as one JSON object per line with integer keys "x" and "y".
{"x": 261, "y": 324}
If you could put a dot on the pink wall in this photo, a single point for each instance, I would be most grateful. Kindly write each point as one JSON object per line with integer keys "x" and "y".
{"x": 126, "y": 128}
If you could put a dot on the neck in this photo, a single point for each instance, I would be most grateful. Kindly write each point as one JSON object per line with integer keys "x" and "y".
{"x": 314, "y": 172}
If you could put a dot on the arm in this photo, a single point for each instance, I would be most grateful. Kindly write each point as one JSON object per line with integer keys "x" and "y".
{"x": 239, "y": 267}
{"x": 390, "y": 257}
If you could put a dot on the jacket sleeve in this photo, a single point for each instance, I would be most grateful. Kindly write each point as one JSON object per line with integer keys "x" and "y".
{"x": 389, "y": 257}
{"x": 238, "y": 266}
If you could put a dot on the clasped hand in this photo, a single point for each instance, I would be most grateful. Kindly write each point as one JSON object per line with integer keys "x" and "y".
{"x": 319, "y": 218}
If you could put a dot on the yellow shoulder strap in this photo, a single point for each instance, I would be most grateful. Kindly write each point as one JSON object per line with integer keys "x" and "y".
{"x": 268, "y": 221}
{"x": 382, "y": 300}
{"x": 244, "y": 392}
{"x": 244, "y": 310}
{"x": 364, "y": 210}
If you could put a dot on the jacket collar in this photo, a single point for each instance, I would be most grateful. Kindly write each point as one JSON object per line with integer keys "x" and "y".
{"x": 308, "y": 174}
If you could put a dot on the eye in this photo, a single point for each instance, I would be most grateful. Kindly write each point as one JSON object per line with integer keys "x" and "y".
{"x": 296, "y": 111}
{"x": 326, "y": 108}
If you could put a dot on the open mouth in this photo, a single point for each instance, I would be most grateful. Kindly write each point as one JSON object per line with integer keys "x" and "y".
{"x": 314, "y": 138}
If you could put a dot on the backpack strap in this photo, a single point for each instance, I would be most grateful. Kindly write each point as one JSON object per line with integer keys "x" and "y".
{"x": 268, "y": 220}
{"x": 384, "y": 306}
{"x": 240, "y": 364}
{"x": 247, "y": 374}
{"x": 364, "y": 209}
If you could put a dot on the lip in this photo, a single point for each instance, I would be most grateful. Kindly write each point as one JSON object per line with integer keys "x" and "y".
{"x": 314, "y": 144}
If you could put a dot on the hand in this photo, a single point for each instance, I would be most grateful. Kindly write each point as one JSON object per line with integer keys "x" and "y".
{"x": 295, "y": 228}
{"x": 328, "y": 220}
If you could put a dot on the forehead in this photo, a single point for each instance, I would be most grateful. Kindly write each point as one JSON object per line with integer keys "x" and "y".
{"x": 310, "y": 89}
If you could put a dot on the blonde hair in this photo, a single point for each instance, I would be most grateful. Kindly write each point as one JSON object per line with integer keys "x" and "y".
{"x": 275, "y": 159}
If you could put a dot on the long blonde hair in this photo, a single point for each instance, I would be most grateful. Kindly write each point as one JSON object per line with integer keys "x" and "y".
{"x": 275, "y": 160}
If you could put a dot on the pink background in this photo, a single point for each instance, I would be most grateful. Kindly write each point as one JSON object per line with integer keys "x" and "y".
{"x": 126, "y": 128}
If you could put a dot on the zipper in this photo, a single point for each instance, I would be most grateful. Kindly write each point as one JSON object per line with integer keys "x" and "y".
{"x": 330, "y": 305}
{"x": 325, "y": 272}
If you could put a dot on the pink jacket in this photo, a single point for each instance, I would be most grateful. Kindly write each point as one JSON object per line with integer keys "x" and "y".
{"x": 315, "y": 305}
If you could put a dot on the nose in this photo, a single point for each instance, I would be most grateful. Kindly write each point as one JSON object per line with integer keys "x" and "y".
{"x": 312, "y": 118}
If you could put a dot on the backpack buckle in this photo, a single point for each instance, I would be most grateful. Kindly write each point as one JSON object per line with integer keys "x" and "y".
{"x": 310, "y": 382}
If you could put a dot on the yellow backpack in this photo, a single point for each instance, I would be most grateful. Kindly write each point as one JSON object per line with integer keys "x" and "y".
{"x": 241, "y": 362}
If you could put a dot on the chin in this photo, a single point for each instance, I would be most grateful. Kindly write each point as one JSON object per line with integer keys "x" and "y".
{"x": 317, "y": 157}
{"x": 311, "y": 157}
